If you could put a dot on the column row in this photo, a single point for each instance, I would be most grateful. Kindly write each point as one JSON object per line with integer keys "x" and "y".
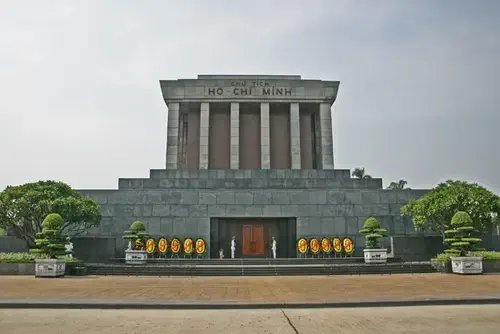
{"x": 280, "y": 141}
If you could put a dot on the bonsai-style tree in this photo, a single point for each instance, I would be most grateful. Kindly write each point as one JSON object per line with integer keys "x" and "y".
{"x": 51, "y": 241}
{"x": 137, "y": 234}
{"x": 460, "y": 236}
{"x": 373, "y": 232}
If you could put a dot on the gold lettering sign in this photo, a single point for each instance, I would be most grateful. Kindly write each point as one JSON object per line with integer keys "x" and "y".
{"x": 249, "y": 88}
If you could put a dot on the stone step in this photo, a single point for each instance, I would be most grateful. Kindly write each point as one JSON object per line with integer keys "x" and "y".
{"x": 260, "y": 270}
{"x": 249, "y": 183}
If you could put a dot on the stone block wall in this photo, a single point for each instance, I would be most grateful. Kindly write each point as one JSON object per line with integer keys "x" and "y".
{"x": 326, "y": 203}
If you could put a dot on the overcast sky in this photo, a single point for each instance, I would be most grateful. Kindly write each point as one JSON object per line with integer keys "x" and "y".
{"x": 80, "y": 98}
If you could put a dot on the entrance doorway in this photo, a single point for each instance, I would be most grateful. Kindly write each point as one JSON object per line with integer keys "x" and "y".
{"x": 253, "y": 240}
{"x": 253, "y": 237}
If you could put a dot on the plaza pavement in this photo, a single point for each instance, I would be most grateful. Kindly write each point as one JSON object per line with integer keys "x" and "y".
{"x": 422, "y": 319}
{"x": 247, "y": 292}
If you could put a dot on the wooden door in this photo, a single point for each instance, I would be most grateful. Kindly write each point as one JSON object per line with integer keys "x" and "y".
{"x": 247, "y": 240}
{"x": 258, "y": 240}
{"x": 253, "y": 240}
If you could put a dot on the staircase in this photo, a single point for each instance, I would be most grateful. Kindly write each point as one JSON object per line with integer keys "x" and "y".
{"x": 259, "y": 267}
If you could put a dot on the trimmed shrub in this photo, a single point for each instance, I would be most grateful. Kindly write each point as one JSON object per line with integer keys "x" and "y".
{"x": 459, "y": 237}
{"x": 137, "y": 234}
{"x": 29, "y": 258}
{"x": 50, "y": 241}
{"x": 373, "y": 232}
{"x": 487, "y": 256}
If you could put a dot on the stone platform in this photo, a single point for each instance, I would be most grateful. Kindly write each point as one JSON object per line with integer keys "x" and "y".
{"x": 190, "y": 204}
{"x": 258, "y": 267}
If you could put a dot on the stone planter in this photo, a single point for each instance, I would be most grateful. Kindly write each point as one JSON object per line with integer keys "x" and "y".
{"x": 467, "y": 265}
{"x": 135, "y": 256}
{"x": 375, "y": 255}
{"x": 17, "y": 269}
{"x": 442, "y": 267}
{"x": 50, "y": 268}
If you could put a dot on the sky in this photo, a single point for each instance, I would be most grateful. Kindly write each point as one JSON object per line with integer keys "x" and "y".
{"x": 80, "y": 99}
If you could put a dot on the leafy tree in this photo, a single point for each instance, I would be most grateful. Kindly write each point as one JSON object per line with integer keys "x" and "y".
{"x": 435, "y": 209}
{"x": 460, "y": 236}
{"x": 24, "y": 207}
{"x": 360, "y": 173}
{"x": 51, "y": 241}
{"x": 398, "y": 185}
{"x": 373, "y": 232}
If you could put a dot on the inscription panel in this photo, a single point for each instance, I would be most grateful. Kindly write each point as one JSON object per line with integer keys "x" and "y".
{"x": 247, "y": 89}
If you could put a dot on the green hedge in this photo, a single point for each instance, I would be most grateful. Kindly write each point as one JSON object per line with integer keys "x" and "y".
{"x": 487, "y": 256}
{"x": 29, "y": 258}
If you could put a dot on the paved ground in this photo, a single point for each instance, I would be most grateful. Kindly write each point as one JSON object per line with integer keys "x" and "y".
{"x": 317, "y": 289}
{"x": 425, "y": 319}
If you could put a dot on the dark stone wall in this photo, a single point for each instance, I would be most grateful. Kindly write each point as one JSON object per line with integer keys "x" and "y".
{"x": 10, "y": 244}
{"x": 325, "y": 203}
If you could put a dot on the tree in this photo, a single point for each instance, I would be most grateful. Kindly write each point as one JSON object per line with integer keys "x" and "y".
{"x": 137, "y": 233}
{"x": 460, "y": 236}
{"x": 373, "y": 232}
{"x": 435, "y": 209}
{"x": 23, "y": 209}
{"x": 360, "y": 173}
{"x": 398, "y": 185}
{"x": 51, "y": 241}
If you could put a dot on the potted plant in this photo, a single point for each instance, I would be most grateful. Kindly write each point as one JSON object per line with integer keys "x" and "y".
{"x": 373, "y": 253}
{"x": 461, "y": 241}
{"x": 51, "y": 243}
{"x": 137, "y": 235}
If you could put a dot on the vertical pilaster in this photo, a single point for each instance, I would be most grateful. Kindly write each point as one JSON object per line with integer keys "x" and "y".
{"x": 235, "y": 136}
{"x": 265, "y": 156}
{"x": 172, "y": 136}
{"x": 295, "y": 136}
{"x": 204, "y": 130}
{"x": 326, "y": 135}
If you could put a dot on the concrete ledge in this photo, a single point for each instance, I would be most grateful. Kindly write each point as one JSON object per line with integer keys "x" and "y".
{"x": 99, "y": 304}
{"x": 17, "y": 269}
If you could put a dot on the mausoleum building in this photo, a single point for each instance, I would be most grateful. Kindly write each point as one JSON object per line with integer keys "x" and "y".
{"x": 249, "y": 156}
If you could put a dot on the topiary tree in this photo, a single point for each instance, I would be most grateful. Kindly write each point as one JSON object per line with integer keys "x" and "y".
{"x": 51, "y": 241}
{"x": 460, "y": 236}
{"x": 137, "y": 233}
{"x": 373, "y": 232}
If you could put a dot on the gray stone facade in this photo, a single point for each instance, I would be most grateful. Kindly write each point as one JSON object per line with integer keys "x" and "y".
{"x": 326, "y": 203}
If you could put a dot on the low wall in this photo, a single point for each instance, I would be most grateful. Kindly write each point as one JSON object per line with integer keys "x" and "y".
{"x": 10, "y": 244}
{"x": 96, "y": 249}
{"x": 17, "y": 269}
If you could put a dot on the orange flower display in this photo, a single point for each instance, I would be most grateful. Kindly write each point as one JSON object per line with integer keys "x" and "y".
{"x": 337, "y": 245}
{"x": 175, "y": 246}
{"x": 326, "y": 246}
{"x": 200, "y": 246}
{"x": 348, "y": 245}
{"x": 188, "y": 246}
{"x": 162, "y": 245}
{"x": 302, "y": 245}
{"x": 314, "y": 245}
{"x": 150, "y": 246}
{"x": 139, "y": 244}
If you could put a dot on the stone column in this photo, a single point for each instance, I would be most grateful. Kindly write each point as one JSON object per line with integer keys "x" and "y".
{"x": 326, "y": 136}
{"x": 172, "y": 136}
{"x": 204, "y": 130}
{"x": 235, "y": 136}
{"x": 265, "y": 156}
{"x": 295, "y": 136}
